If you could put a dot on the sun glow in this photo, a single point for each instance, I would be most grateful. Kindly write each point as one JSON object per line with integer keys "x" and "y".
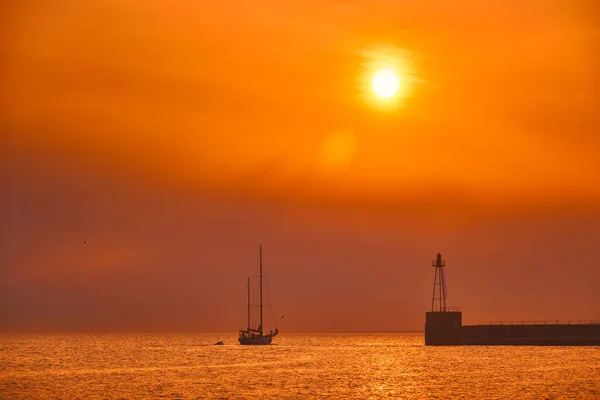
{"x": 388, "y": 77}
{"x": 386, "y": 83}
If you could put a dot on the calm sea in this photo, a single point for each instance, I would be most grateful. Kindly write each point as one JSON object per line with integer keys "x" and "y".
{"x": 398, "y": 366}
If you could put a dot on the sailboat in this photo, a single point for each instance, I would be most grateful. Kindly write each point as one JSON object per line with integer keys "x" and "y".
{"x": 256, "y": 336}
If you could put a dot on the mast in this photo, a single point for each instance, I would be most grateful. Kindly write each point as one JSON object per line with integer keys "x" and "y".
{"x": 248, "y": 303}
{"x": 261, "y": 291}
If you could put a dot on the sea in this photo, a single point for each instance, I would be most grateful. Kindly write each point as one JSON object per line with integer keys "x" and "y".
{"x": 295, "y": 366}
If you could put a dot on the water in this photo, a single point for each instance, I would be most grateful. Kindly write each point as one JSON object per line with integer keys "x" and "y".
{"x": 398, "y": 366}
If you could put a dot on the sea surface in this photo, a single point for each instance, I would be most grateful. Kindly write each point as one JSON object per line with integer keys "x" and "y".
{"x": 361, "y": 366}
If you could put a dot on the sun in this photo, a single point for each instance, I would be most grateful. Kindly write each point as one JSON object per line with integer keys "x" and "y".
{"x": 385, "y": 83}
{"x": 387, "y": 79}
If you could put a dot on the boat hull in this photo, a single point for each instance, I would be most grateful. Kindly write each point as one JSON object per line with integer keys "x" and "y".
{"x": 256, "y": 341}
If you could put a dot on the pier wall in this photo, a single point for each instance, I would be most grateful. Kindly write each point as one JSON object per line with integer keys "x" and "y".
{"x": 532, "y": 335}
{"x": 445, "y": 328}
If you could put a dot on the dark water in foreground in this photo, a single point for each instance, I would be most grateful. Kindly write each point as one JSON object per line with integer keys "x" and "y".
{"x": 298, "y": 366}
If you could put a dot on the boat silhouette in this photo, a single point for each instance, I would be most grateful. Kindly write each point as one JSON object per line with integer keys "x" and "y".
{"x": 256, "y": 336}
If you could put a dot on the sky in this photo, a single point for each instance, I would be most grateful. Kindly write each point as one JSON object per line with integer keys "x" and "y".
{"x": 148, "y": 148}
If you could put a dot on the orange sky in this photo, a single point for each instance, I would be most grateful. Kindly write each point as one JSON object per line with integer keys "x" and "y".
{"x": 175, "y": 137}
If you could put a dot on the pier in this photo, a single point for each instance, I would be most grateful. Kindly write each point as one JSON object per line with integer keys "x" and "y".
{"x": 443, "y": 325}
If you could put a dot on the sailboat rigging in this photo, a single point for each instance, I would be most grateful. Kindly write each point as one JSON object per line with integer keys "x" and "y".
{"x": 256, "y": 336}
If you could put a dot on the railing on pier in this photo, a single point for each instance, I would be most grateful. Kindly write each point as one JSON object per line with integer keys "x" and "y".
{"x": 547, "y": 322}
{"x": 447, "y": 309}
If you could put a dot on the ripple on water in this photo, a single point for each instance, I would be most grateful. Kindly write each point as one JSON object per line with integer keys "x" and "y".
{"x": 325, "y": 365}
